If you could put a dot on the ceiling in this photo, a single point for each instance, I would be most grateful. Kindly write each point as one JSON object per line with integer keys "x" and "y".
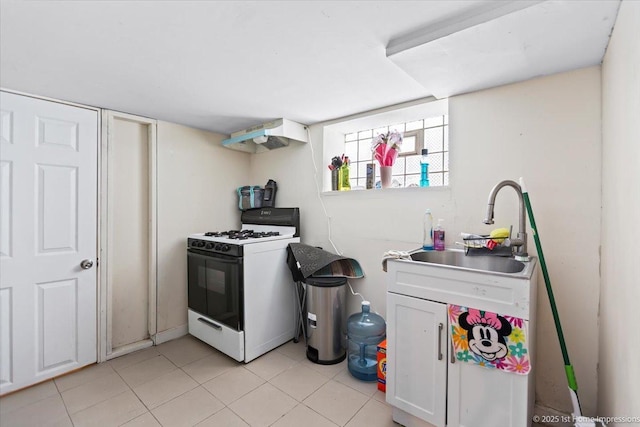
{"x": 227, "y": 65}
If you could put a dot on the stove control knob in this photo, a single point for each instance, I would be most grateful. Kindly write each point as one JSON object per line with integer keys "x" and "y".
{"x": 200, "y": 243}
{"x": 225, "y": 248}
{"x": 218, "y": 246}
{"x": 209, "y": 245}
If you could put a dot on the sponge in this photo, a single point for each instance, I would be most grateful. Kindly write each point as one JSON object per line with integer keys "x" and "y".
{"x": 499, "y": 234}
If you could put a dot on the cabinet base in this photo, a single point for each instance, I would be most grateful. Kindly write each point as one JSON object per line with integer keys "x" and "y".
{"x": 403, "y": 418}
{"x": 312, "y": 355}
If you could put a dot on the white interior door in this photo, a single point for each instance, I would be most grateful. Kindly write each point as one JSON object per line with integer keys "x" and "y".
{"x": 48, "y": 218}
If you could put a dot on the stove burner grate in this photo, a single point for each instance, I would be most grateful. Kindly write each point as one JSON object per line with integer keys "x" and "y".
{"x": 242, "y": 234}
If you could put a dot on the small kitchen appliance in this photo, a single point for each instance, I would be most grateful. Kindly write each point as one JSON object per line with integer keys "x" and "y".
{"x": 240, "y": 291}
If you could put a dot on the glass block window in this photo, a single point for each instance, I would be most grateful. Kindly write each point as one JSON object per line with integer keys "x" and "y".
{"x": 430, "y": 133}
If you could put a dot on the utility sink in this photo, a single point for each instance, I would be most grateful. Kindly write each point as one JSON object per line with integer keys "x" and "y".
{"x": 458, "y": 258}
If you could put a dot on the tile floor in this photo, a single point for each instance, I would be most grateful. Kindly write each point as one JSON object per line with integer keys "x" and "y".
{"x": 186, "y": 383}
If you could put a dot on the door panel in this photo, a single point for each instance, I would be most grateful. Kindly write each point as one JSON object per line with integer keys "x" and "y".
{"x": 57, "y": 324}
{"x": 57, "y": 133}
{"x": 508, "y": 402}
{"x": 48, "y": 183}
{"x": 196, "y": 282}
{"x": 417, "y": 357}
{"x": 57, "y": 192}
{"x": 214, "y": 288}
{"x": 6, "y": 207}
{"x": 6, "y": 337}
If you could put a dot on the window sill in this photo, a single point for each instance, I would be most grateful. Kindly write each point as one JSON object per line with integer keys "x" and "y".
{"x": 386, "y": 191}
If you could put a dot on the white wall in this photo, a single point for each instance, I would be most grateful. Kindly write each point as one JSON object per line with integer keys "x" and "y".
{"x": 196, "y": 182}
{"x": 546, "y": 130}
{"x": 619, "y": 375}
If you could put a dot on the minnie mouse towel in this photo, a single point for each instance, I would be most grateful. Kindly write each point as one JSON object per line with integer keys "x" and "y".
{"x": 489, "y": 339}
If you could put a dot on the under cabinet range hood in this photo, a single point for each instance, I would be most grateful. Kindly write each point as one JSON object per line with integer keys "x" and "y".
{"x": 268, "y": 136}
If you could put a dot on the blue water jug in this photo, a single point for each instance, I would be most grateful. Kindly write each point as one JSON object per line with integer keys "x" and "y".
{"x": 365, "y": 330}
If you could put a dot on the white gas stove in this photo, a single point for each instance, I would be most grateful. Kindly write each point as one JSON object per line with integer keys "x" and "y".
{"x": 241, "y": 293}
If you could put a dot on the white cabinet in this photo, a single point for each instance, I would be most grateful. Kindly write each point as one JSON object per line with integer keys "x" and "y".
{"x": 481, "y": 397}
{"x": 426, "y": 385}
{"x": 416, "y": 354}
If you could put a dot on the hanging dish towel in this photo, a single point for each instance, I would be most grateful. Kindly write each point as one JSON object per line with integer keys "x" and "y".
{"x": 396, "y": 255}
{"x": 489, "y": 339}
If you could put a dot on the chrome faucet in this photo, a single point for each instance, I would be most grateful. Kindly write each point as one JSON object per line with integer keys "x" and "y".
{"x": 520, "y": 242}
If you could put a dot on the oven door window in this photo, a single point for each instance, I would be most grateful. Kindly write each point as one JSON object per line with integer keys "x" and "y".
{"x": 215, "y": 288}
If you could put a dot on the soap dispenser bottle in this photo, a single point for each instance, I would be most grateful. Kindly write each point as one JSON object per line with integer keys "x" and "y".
{"x": 424, "y": 168}
{"x": 427, "y": 238}
{"x": 438, "y": 236}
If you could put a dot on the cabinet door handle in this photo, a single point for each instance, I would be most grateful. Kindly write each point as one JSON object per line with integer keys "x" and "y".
{"x": 440, "y": 327}
{"x": 453, "y": 354}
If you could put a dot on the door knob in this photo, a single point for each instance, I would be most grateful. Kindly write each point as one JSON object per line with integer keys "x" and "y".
{"x": 86, "y": 264}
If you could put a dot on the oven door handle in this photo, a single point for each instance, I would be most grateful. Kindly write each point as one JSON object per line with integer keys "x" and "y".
{"x": 214, "y": 258}
{"x": 210, "y": 323}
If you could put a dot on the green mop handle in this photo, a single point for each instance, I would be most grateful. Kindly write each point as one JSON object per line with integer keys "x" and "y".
{"x": 571, "y": 377}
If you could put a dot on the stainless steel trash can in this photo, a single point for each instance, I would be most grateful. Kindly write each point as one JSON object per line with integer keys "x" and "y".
{"x": 326, "y": 319}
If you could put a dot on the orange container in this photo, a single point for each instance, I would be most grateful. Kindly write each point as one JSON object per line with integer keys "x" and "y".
{"x": 382, "y": 366}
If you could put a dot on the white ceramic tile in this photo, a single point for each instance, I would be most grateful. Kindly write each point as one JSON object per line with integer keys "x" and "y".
{"x": 185, "y": 350}
{"x": 83, "y": 376}
{"x": 187, "y": 409}
{"x": 94, "y": 392}
{"x": 368, "y": 388}
{"x": 336, "y": 401}
{"x": 27, "y": 396}
{"x": 146, "y": 420}
{"x": 97, "y": 395}
{"x": 299, "y": 381}
{"x": 132, "y": 358}
{"x": 296, "y": 351}
{"x": 380, "y": 396}
{"x": 328, "y": 371}
{"x": 373, "y": 414}
{"x": 303, "y": 416}
{"x": 146, "y": 370}
{"x": 209, "y": 367}
{"x": 162, "y": 389}
{"x": 233, "y": 384}
{"x": 263, "y": 406}
{"x": 45, "y": 412}
{"x": 112, "y": 412}
{"x": 223, "y": 418}
{"x": 271, "y": 364}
